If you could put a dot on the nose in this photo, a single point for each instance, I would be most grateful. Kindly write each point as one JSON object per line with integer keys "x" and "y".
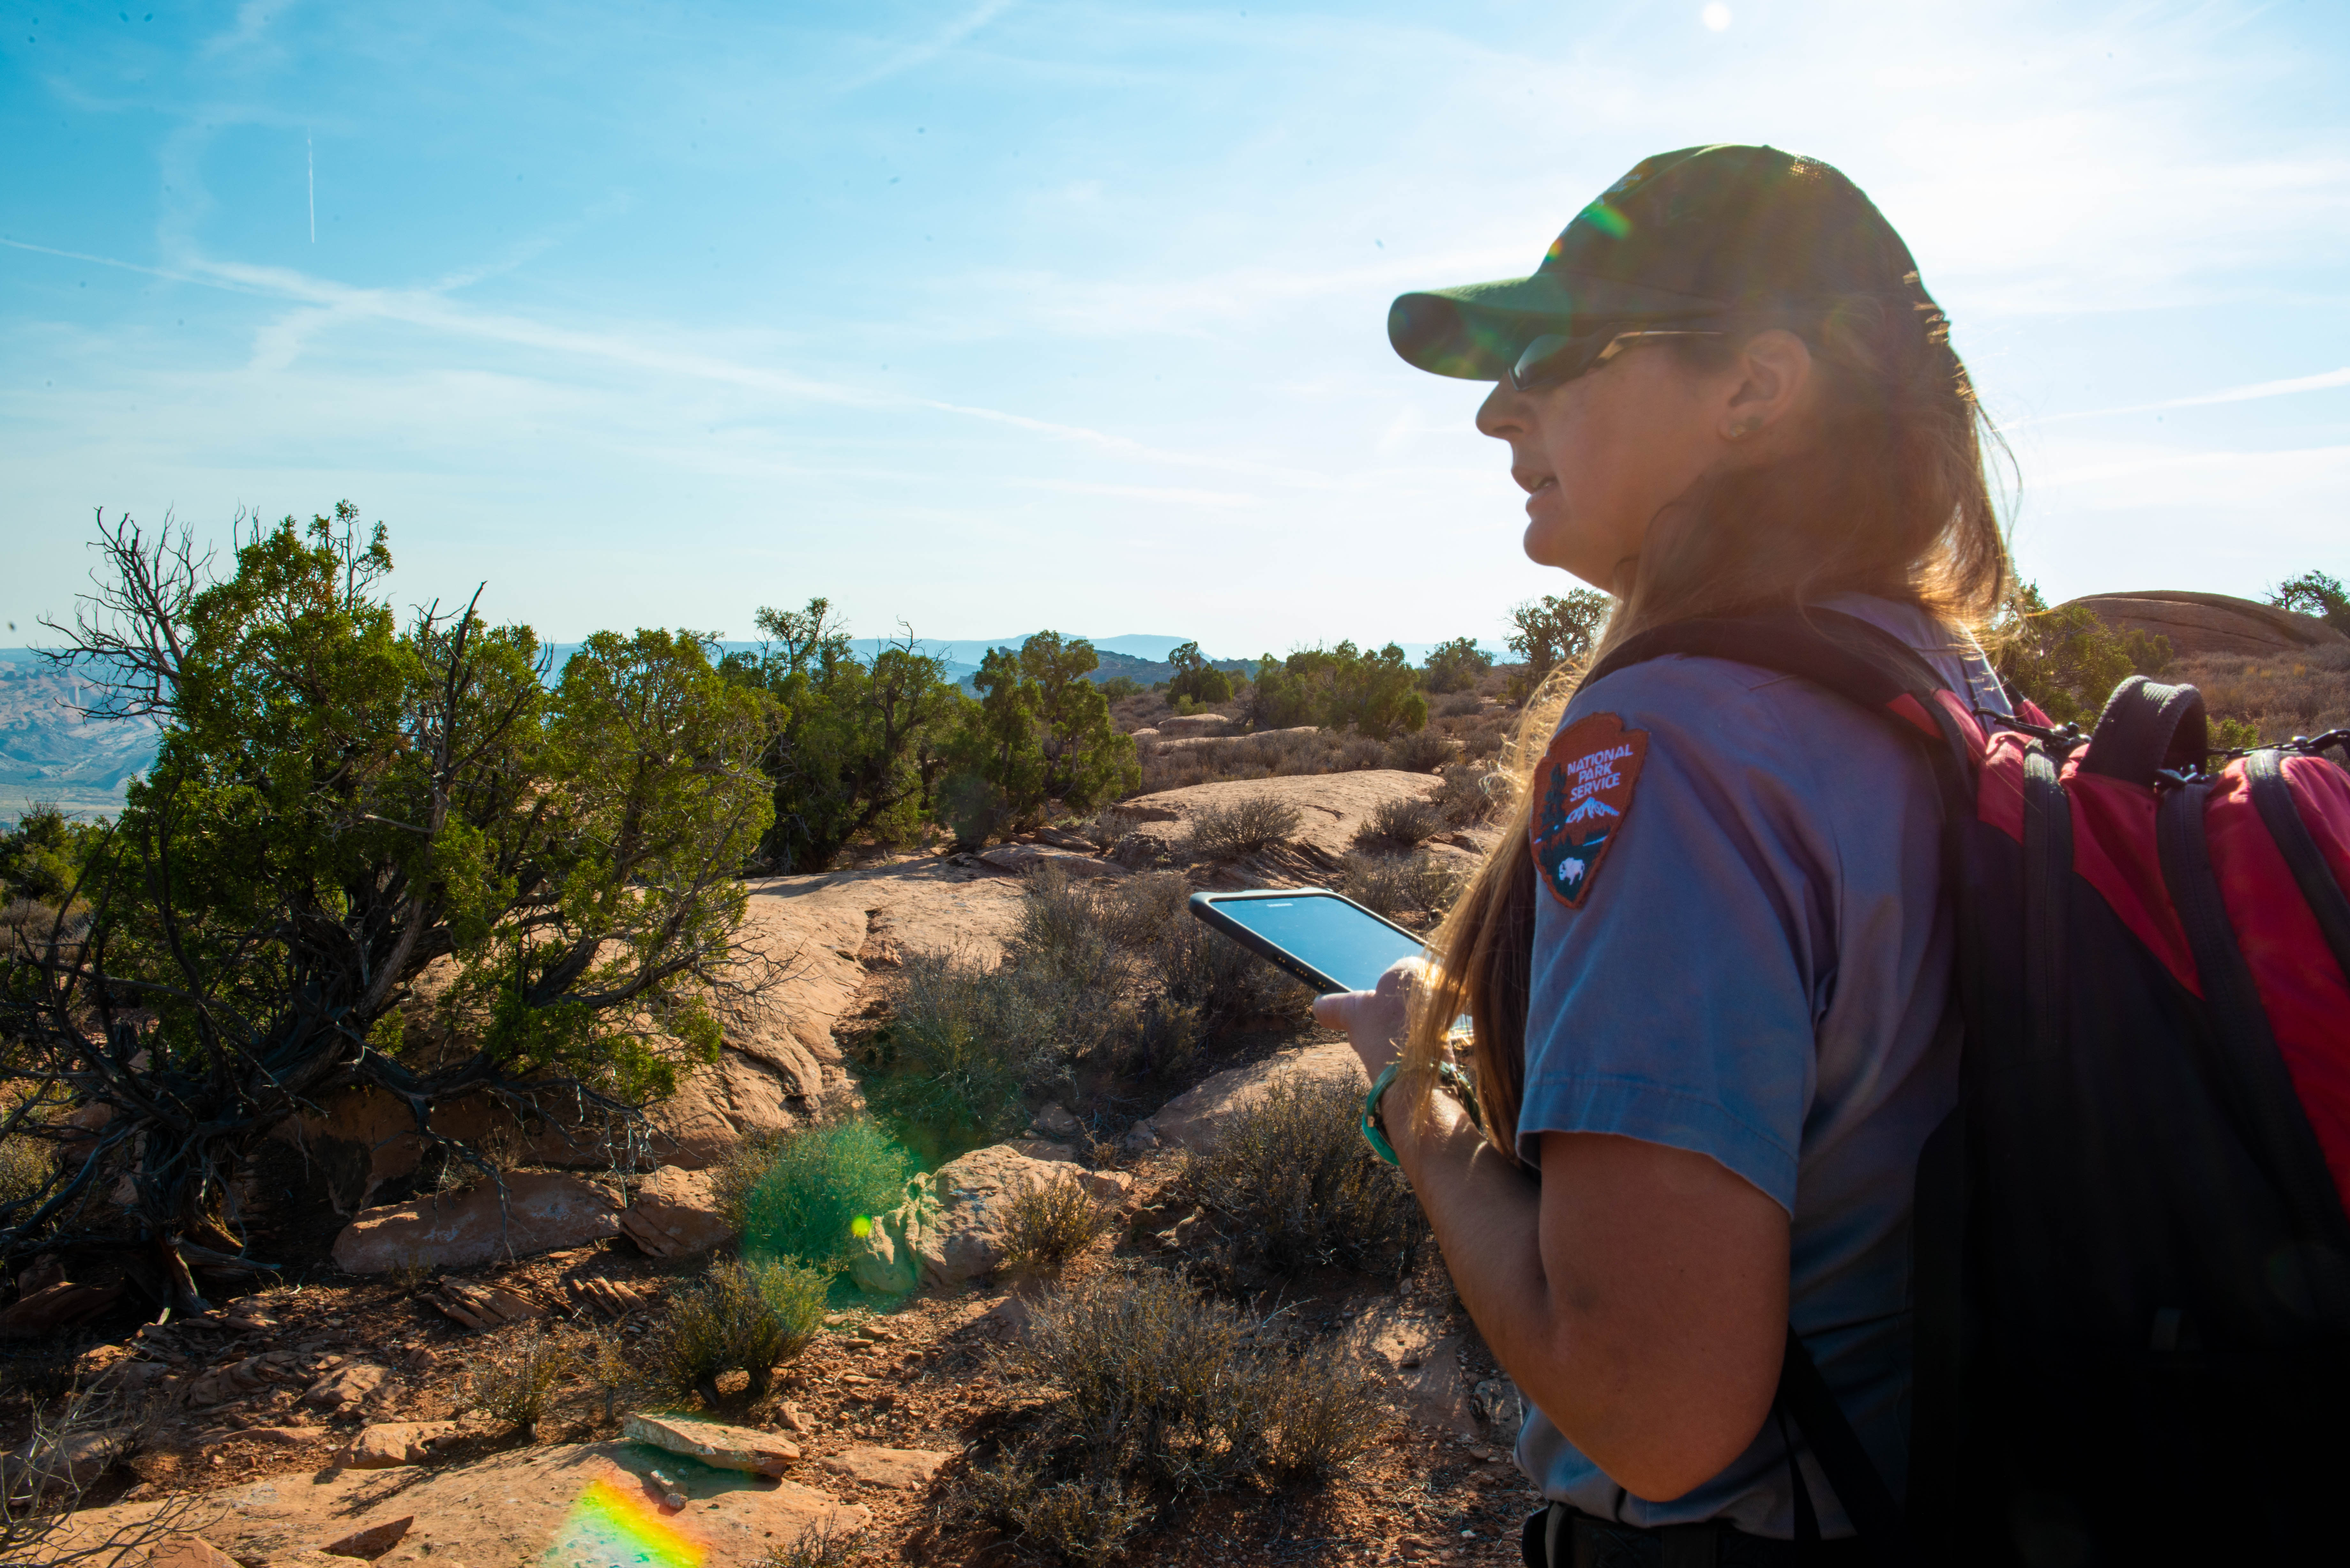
{"x": 1503, "y": 413}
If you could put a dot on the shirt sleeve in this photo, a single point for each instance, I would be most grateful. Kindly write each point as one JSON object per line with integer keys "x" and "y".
{"x": 1681, "y": 961}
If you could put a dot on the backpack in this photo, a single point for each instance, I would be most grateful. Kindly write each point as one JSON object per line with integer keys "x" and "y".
{"x": 2131, "y": 1275}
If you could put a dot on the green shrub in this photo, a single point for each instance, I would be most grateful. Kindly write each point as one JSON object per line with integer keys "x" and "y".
{"x": 849, "y": 753}
{"x": 1455, "y": 666}
{"x": 746, "y": 1317}
{"x": 1040, "y": 731}
{"x": 1459, "y": 705}
{"x": 952, "y": 1067}
{"x": 2066, "y": 660}
{"x": 1295, "y": 1185}
{"x": 814, "y": 1186}
{"x": 2315, "y": 594}
{"x": 514, "y": 1387}
{"x": 1196, "y": 680}
{"x": 1048, "y": 1222}
{"x": 1249, "y": 826}
{"x": 1342, "y": 688}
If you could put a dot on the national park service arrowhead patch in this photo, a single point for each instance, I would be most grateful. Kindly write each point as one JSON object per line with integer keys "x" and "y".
{"x": 1583, "y": 788}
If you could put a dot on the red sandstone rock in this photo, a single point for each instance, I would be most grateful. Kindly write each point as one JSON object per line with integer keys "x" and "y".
{"x": 540, "y": 1213}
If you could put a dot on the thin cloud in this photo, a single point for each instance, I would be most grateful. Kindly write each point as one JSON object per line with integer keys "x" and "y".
{"x": 930, "y": 48}
{"x": 2323, "y": 381}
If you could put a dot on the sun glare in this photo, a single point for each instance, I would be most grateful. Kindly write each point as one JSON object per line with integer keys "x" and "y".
{"x": 1715, "y": 17}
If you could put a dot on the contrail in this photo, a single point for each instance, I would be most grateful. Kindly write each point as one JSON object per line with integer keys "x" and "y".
{"x": 310, "y": 158}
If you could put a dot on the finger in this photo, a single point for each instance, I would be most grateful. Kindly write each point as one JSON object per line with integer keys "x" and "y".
{"x": 1337, "y": 1010}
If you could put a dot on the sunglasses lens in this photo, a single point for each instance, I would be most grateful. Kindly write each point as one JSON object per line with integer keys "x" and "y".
{"x": 1550, "y": 357}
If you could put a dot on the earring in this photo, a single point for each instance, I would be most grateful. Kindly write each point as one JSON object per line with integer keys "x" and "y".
{"x": 1746, "y": 428}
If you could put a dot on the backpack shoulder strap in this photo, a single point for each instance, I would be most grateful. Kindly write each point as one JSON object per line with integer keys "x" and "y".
{"x": 1857, "y": 661}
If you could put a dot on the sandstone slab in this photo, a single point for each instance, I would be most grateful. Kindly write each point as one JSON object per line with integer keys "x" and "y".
{"x": 1332, "y": 807}
{"x": 674, "y": 1214}
{"x": 388, "y": 1445}
{"x": 1195, "y": 1118}
{"x": 900, "y": 1469}
{"x": 715, "y": 1443}
{"x": 2209, "y": 623}
{"x": 535, "y": 1213}
{"x": 485, "y": 1307}
{"x": 189, "y": 1552}
{"x": 1022, "y": 859}
{"x": 543, "y": 1504}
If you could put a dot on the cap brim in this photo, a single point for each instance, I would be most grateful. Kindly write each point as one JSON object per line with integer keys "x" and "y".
{"x": 1477, "y": 331}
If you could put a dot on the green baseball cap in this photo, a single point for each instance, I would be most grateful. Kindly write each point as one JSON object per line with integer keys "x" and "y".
{"x": 1685, "y": 236}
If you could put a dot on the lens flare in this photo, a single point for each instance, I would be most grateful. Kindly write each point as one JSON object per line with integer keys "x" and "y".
{"x": 611, "y": 1527}
{"x": 1607, "y": 219}
{"x": 860, "y": 1227}
{"x": 1715, "y": 17}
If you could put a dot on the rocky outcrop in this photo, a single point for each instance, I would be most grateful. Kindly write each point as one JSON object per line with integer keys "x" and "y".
{"x": 715, "y": 1443}
{"x": 2209, "y": 623}
{"x": 1194, "y": 1119}
{"x": 1332, "y": 807}
{"x": 535, "y": 1213}
{"x": 965, "y": 1239}
{"x": 674, "y": 1214}
{"x": 388, "y": 1445}
{"x": 1022, "y": 859}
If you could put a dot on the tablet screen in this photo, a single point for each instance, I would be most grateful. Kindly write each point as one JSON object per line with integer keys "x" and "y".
{"x": 1326, "y": 934}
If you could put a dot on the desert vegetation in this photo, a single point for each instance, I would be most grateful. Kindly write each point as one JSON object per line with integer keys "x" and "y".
{"x": 1104, "y": 981}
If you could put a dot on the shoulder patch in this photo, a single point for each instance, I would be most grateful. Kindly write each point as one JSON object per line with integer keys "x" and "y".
{"x": 1583, "y": 788}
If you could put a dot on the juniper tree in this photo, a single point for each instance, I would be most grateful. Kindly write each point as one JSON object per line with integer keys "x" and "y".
{"x": 341, "y": 799}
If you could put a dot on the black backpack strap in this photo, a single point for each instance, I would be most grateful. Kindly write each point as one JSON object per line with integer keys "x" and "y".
{"x": 1857, "y": 661}
{"x": 2272, "y": 798}
{"x": 2146, "y": 728}
{"x": 1805, "y": 1395}
{"x": 2254, "y": 1080}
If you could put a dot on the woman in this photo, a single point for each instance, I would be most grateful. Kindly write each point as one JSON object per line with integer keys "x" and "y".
{"x": 1708, "y": 963}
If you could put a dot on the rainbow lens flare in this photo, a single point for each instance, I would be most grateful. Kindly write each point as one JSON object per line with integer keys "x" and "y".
{"x": 1607, "y": 219}
{"x": 611, "y": 1528}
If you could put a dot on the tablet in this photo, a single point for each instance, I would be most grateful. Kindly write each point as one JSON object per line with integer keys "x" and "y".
{"x": 1330, "y": 942}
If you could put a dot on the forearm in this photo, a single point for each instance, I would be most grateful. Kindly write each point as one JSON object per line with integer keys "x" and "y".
{"x": 1628, "y": 1351}
{"x": 1486, "y": 1213}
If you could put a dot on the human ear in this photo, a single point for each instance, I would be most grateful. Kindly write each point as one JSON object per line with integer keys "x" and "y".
{"x": 1772, "y": 370}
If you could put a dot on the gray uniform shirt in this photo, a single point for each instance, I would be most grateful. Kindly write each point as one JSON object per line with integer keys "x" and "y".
{"x": 1757, "y": 970}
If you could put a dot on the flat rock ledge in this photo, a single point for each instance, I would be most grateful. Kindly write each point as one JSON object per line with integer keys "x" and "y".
{"x": 540, "y": 1213}
{"x": 898, "y": 1469}
{"x": 715, "y": 1443}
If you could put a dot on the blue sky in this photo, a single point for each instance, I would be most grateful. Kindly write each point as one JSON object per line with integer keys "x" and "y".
{"x": 1013, "y": 313}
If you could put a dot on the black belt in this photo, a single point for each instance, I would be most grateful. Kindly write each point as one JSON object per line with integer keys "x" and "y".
{"x": 1559, "y": 1537}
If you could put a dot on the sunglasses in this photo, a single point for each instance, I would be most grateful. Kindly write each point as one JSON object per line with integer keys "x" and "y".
{"x": 1555, "y": 359}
